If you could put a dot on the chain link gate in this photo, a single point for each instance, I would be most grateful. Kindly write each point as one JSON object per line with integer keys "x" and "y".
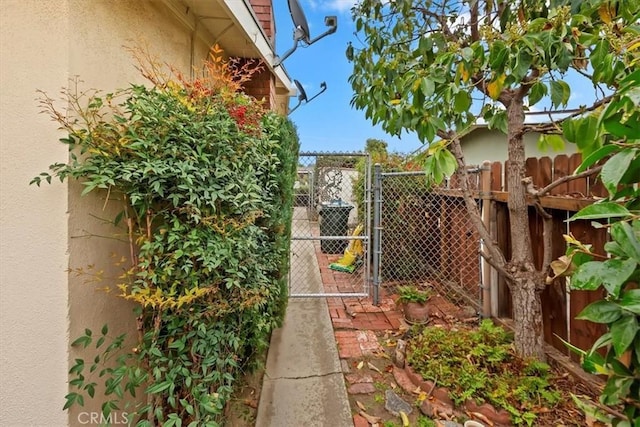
{"x": 330, "y": 229}
{"x": 422, "y": 236}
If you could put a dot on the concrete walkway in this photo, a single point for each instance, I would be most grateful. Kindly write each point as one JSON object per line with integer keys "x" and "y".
{"x": 303, "y": 383}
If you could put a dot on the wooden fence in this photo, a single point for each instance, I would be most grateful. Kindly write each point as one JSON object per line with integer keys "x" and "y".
{"x": 560, "y": 306}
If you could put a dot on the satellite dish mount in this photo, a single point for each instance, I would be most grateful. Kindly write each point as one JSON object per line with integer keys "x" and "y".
{"x": 302, "y": 94}
{"x": 301, "y": 30}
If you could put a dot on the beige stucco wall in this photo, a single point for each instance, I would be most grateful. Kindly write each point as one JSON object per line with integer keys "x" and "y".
{"x": 33, "y": 238}
{"x": 47, "y": 230}
{"x": 484, "y": 144}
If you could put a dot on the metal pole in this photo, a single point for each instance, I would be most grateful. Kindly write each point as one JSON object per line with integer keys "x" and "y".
{"x": 485, "y": 272}
{"x": 377, "y": 208}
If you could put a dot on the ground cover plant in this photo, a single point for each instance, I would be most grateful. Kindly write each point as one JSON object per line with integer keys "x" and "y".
{"x": 205, "y": 178}
{"x": 480, "y": 364}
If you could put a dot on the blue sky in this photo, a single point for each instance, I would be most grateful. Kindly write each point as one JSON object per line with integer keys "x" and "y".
{"x": 328, "y": 123}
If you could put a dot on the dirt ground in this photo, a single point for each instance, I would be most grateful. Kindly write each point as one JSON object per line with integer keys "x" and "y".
{"x": 370, "y": 376}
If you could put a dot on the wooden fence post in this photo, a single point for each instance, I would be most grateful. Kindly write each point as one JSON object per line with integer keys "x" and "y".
{"x": 485, "y": 274}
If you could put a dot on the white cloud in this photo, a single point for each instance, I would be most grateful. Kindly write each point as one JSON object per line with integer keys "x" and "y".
{"x": 339, "y": 6}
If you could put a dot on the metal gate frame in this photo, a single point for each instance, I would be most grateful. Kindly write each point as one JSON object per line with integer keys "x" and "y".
{"x": 309, "y": 238}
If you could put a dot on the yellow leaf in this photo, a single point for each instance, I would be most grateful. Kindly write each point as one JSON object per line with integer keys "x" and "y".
{"x": 405, "y": 419}
{"x": 494, "y": 88}
{"x": 360, "y": 365}
{"x": 463, "y": 72}
{"x": 606, "y": 13}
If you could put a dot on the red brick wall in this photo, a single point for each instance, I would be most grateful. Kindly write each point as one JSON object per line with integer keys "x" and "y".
{"x": 262, "y": 87}
{"x": 264, "y": 11}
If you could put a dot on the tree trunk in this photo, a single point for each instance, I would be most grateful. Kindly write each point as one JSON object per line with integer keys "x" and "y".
{"x": 527, "y": 282}
{"x": 527, "y": 316}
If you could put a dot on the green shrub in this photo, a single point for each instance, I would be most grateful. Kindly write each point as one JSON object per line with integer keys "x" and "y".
{"x": 206, "y": 180}
{"x": 480, "y": 364}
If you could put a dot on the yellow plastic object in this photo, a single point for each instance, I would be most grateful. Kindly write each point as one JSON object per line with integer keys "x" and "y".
{"x": 352, "y": 251}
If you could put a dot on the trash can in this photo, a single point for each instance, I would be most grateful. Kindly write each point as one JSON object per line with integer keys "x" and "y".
{"x": 334, "y": 221}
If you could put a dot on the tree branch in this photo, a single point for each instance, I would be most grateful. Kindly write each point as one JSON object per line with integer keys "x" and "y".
{"x": 494, "y": 253}
{"x": 493, "y": 264}
{"x": 564, "y": 179}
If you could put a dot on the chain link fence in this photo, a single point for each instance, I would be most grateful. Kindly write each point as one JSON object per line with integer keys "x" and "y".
{"x": 329, "y": 243}
{"x": 427, "y": 238}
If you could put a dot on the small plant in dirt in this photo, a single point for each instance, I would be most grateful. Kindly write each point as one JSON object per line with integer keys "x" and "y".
{"x": 411, "y": 293}
{"x": 480, "y": 364}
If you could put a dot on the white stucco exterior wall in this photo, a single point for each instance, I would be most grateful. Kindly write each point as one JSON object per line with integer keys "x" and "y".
{"x": 47, "y": 230}
{"x": 33, "y": 239}
{"x": 484, "y": 144}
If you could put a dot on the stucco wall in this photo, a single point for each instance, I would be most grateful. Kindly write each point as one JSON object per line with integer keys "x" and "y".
{"x": 33, "y": 242}
{"x": 100, "y": 31}
{"x": 47, "y": 230}
{"x": 484, "y": 144}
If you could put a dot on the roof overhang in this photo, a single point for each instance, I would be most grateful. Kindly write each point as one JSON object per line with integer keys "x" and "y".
{"x": 234, "y": 26}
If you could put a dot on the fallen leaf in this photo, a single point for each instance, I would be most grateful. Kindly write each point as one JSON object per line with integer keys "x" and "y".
{"x": 361, "y": 405}
{"x": 393, "y": 385}
{"x": 373, "y": 367}
{"x": 405, "y": 419}
{"x": 482, "y": 418}
{"x": 370, "y": 418}
{"x": 360, "y": 365}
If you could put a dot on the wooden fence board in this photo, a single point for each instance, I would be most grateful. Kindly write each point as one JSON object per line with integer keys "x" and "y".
{"x": 582, "y": 333}
{"x": 545, "y": 166}
{"x": 560, "y": 170}
{"x": 496, "y": 176}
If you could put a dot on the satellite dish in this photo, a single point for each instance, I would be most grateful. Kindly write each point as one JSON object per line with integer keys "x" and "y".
{"x": 302, "y": 94}
{"x": 301, "y": 29}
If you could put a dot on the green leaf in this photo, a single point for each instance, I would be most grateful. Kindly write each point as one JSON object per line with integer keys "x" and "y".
{"x": 623, "y": 332}
{"x": 596, "y": 156}
{"x": 587, "y": 138}
{"x": 556, "y": 142}
{"x": 615, "y": 272}
{"x": 624, "y": 234}
{"x": 615, "y": 389}
{"x": 428, "y": 87}
{"x": 616, "y": 127}
{"x": 447, "y": 162}
{"x": 601, "y": 312}
{"x": 536, "y": 93}
{"x": 498, "y": 53}
{"x": 588, "y": 276}
{"x": 560, "y": 93}
{"x": 462, "y": 102}
{"x": 615, "y": 168}
{"x": 83, "y": 340}
{"x": 603, "y": 210}
{"x": 631, "y": 301}
{"x": 159, "y": 387}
